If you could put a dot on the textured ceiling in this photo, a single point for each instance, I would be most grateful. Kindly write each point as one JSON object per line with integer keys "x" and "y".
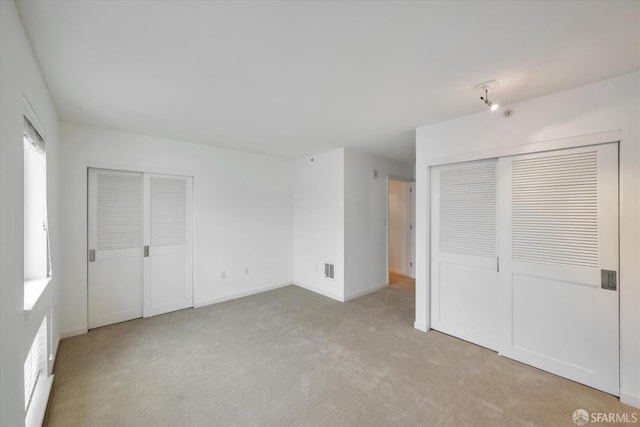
{"x": 291, "y": 78}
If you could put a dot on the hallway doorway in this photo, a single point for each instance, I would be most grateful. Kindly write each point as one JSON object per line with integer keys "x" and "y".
{"x": 401, "y": 233}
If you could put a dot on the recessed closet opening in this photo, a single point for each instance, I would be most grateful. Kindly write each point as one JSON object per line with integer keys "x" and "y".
{"x": 140, "y": 247}
{"x": 524, "y": 259}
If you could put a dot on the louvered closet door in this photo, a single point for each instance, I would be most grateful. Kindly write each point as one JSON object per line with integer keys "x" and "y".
{"x": 115, "y": 237}
{"x": 560, "y": 216}
{"x": 168, "y": 267}
{"x": 464, "y": 280}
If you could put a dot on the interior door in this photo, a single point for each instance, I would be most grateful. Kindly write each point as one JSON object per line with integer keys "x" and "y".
{"x": 559, "y": 262}
{"x": 464, "y": 280}
{"x": 168, "y": 251}
{"x": 115, "y": 246}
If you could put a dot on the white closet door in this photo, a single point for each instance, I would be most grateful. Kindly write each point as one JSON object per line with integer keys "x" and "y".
{"x": 115, "y": 246}
{"x": 464, "y": 281}
{"x": 560, "y": 215}
{"x": 168, "y": 266}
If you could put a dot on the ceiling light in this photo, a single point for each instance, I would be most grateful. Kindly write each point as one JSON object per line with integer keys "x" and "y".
{"x": 490, "y": 104}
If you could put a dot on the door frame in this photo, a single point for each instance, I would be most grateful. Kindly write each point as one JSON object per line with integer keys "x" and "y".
{"x": 614, "y": 136}
{"x": 412, "y": 211}
{"x": 127, "y": 167}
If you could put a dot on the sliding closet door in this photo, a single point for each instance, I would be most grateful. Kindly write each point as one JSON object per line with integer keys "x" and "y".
{"x": 168, "y": 251}
{"x": 115, "y": 246}
{"x": 559, "y": 262}
{"x": 464, "y": 280}
{"x": 140, "y": 249}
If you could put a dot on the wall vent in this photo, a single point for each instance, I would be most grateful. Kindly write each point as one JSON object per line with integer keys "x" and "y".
{"x": 35, "y": 364}
{"x": 329, "y": 270}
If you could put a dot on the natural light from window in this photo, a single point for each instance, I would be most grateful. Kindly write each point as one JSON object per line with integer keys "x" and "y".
{"x": 37, "y": 267}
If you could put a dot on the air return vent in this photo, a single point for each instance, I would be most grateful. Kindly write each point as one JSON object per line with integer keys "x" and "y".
{"x": 329, "y": 270}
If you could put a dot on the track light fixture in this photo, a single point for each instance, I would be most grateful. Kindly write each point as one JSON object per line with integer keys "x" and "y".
{"x": 490, "y": 104}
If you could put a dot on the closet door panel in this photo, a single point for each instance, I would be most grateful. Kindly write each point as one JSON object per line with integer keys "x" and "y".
{"x": 464, "y": 281}
{"x": 168, "y": 267}
{"x": 560, "y": 243}
{"x": 115, "y": 234}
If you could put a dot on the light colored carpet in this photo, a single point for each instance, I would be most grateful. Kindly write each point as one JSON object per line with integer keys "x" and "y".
{"x": 289, "y": 357}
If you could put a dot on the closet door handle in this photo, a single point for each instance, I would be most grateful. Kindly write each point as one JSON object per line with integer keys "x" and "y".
{"x": 146, "y": 251}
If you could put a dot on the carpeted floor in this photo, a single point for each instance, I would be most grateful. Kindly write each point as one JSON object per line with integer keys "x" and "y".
{"x": 289, "y": 357}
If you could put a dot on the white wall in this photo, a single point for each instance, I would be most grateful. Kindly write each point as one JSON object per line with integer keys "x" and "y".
{"x": 365, "y": 219}
{"x": 611, "y": 104}
{"x": 319, "y": 222}
{"x": 20, "y": 76}
{"x": 243, "y": 213}
{"x": 341, "y": 216}
{"x": 399, "y": 221}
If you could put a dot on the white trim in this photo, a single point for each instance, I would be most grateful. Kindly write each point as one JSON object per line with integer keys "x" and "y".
{"x": 630, "y": 399}
{"x": 394, "y": 271}
{"x": 420, "y": 326}
{"x": 38, "y": 405}
{"x": 393, "y": 177}
{"x": 411, "y": 267}
{"x": 387, "y": 265}
{"x": 366, "y": 292}
{"x": 320, "y": 291}
{"x": 204, "y": 303}
{"x": 531, "y": 147}
{"x": 128, "y": 167}
{"x": 72, "y": 333}
{"x": 427, "y": 249}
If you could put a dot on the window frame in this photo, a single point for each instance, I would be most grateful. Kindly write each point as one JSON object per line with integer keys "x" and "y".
{"x": 35, "y": 287}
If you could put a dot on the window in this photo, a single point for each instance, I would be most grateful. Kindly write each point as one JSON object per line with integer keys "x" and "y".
{"x": 37, "y": 266}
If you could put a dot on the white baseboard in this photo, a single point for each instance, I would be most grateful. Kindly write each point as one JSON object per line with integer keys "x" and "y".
{"x": 630, "y": 399}
{"x": 69, "y": 334}
{"x": 198, "y": 304}
{"x": 366, "y": 291}
{"x": 320, "y": 291}
{"x": 420, "y": 326}
{"x": 394, "y": 271}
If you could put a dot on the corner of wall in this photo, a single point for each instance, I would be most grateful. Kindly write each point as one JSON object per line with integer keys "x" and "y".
{"x": 21, "y": 77}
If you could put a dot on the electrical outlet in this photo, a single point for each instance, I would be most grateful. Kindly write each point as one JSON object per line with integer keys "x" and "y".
{"x": 246, "y": 271}
{"x": 223, "y": 275}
